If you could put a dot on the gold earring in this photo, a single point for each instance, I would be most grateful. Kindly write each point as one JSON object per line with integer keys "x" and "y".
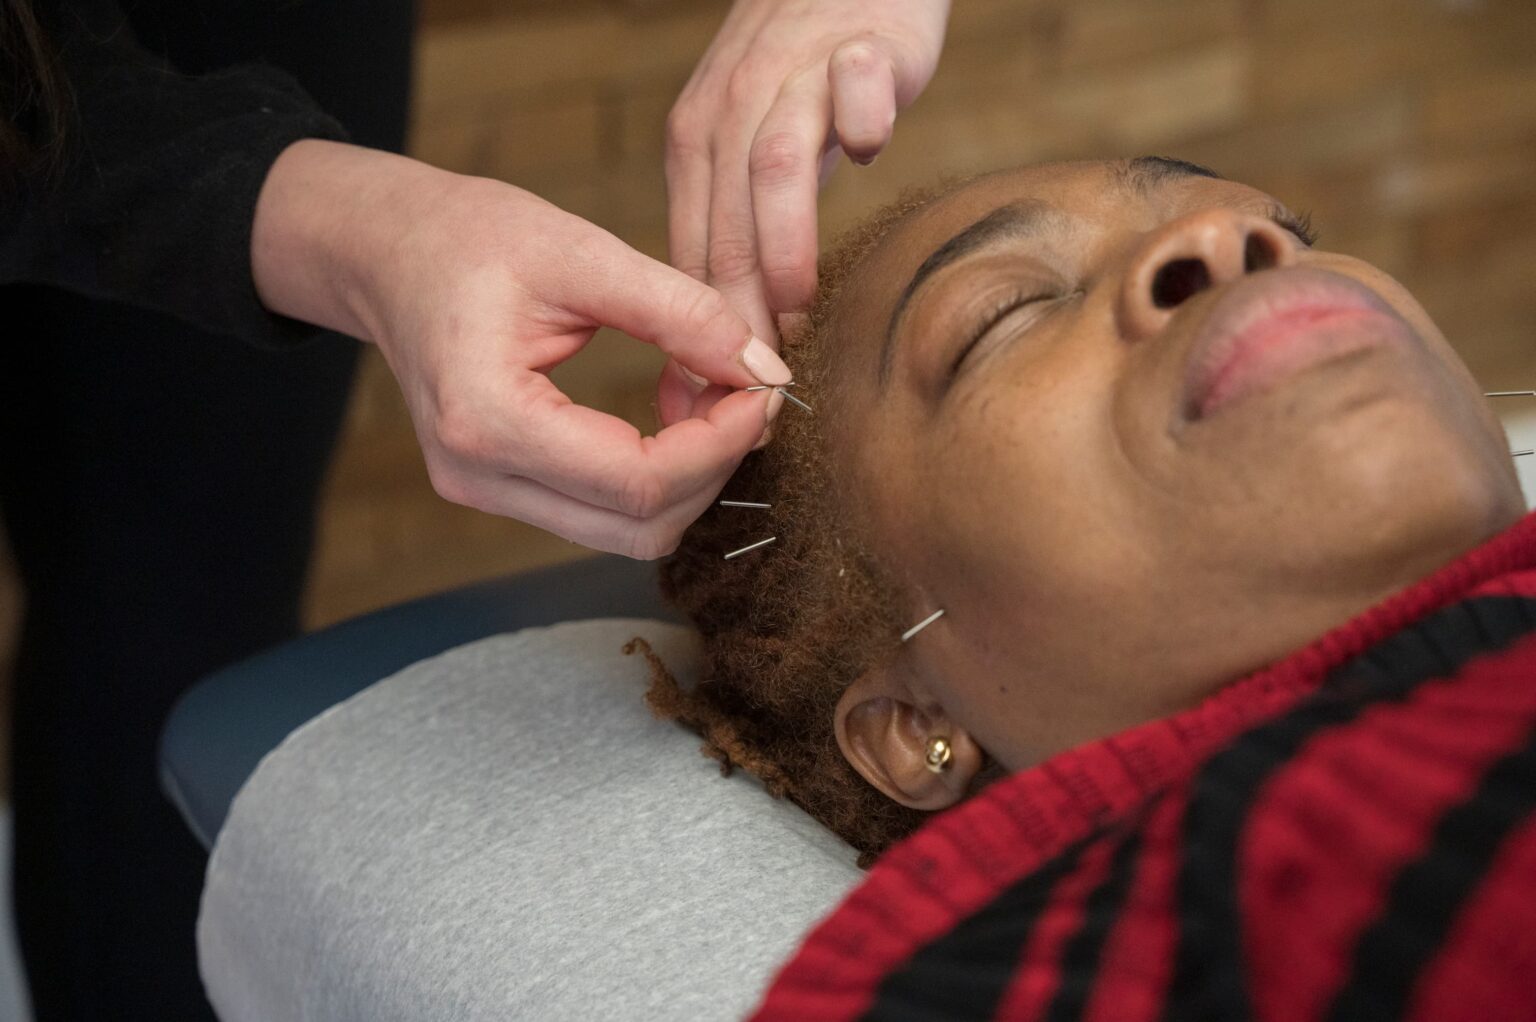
{"x": 939, "y": 754}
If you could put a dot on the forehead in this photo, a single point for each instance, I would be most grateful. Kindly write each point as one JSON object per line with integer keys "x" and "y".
{"x": 1092, "y": 199}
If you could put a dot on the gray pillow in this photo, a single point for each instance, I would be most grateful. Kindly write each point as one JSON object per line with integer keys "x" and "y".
{"x": 504, "y": 831}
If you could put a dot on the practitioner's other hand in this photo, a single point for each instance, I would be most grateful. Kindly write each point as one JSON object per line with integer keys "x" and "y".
{"x": 474, "y": 290}
{"x": 784, "y": 87}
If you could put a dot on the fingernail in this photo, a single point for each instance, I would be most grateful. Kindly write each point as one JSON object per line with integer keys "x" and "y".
{"x": 764, "y": 363}
{"x": 866, "y": 161}
{"x": 699, "y": 382}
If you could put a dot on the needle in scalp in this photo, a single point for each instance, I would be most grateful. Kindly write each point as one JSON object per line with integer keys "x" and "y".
{"x": 787, "y": 394}
{"x": 750, "y": 547}
{"x": 790, "y": 397}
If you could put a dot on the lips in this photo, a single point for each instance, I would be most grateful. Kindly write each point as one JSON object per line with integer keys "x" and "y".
{"x": 1272, "y": 326}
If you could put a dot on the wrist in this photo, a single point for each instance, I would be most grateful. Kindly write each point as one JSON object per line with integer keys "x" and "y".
{"x": 331, "y": 224}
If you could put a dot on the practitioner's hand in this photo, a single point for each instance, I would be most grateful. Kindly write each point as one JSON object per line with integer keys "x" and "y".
{"x": 474, "y": 290}
{"x": 785, "y": 85}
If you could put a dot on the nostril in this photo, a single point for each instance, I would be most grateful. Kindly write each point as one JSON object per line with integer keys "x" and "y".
{"x": 1178, "y": 281}
{"x": 1259, "y": 254}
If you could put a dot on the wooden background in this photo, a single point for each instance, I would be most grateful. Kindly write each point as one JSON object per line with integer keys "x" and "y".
{"x": 1408, "y": 127}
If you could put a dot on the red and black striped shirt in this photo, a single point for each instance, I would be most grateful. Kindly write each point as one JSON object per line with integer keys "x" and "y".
{"x": 1349, "y": 834}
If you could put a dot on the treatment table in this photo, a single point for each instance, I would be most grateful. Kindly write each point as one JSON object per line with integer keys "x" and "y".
{"x": 461, "y": 809}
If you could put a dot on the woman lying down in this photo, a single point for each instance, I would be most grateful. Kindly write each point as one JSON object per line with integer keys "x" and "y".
{"x": 1223, "y": 698}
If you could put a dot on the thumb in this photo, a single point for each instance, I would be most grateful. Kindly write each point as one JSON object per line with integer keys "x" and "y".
{"x": 687, "y": 319}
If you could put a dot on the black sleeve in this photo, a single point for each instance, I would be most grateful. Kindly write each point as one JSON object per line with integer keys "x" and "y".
{"x": 155, "y": 206}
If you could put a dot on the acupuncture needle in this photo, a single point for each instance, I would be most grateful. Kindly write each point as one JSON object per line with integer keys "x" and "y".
{"x": 750, "y": 547}
{"x": 787, "y": 395}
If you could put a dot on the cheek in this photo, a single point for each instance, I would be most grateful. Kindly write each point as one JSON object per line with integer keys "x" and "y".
{"x": 1023, "y": 494}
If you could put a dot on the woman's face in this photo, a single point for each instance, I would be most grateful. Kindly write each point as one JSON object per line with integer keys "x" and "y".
{"x": 1137, "y": 439}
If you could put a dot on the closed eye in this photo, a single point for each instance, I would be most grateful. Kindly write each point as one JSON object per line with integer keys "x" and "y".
{"x": 1001, "y": 311}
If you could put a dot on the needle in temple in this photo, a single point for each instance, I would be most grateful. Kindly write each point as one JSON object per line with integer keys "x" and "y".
{"x": 744, "y": 503}
{"x": 924, "y": 623}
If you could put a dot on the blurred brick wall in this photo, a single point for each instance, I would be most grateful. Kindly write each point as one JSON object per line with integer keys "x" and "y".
{"x": 1408, "y": 127}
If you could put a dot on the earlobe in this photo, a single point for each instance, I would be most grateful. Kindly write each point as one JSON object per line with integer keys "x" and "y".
{"x": 889, "y": 740}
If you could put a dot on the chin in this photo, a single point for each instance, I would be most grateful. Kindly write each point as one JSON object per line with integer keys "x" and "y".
{"x": 1403, "y": 488}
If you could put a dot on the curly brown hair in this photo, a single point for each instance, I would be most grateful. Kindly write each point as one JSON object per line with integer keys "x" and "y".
{"x": 788, "y": 628}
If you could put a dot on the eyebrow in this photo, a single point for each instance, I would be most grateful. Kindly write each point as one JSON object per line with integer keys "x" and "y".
{"x": 1004, "y": 222}
{"x": 1145, "y": 173}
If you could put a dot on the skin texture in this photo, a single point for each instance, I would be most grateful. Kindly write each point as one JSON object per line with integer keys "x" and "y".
{"x": 1103, "y": 556}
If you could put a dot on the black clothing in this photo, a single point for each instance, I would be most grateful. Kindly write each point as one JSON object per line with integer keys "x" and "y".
{"x": 158, "y": 486}
{"x": 158, "y": 477}
{"x": 156, "y": 210}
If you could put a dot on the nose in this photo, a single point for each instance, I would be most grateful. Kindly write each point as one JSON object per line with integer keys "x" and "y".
{"x": 1192, "y": 254}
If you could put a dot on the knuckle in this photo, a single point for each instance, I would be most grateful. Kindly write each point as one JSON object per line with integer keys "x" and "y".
{"x": 699, "y": 308}
{"x": 732, "y": 257}
{"x": 858, "y": 56}
{"x": 741, "y": 86}
{"x": 461, "y": 436}
{"x": 776, "y": 157}
{"x": 449, "y": 484}
{"x": 651, "y": 544}
{"x": 641, "y": 496}
{"x": 684, "y": 136}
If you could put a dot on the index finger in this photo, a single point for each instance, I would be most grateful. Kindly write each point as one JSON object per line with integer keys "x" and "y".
{"x": 603, "y": 460}
{"x": 786, "y": 172}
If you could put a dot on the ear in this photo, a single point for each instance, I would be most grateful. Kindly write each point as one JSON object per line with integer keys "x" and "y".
{"x": 884, "y": 731}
